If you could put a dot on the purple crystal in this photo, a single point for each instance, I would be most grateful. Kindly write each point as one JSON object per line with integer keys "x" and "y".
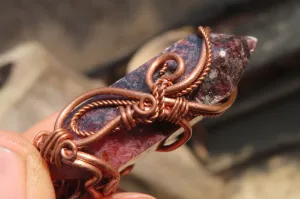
{"x": 230, "y": 56}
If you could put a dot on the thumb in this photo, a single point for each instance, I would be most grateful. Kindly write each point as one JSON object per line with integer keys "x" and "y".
{"x": 129, "y": 196}
{"x": 22, "y": 172}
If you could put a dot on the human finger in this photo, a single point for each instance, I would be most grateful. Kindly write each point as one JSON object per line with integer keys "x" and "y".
{"x": 22, "y": 172}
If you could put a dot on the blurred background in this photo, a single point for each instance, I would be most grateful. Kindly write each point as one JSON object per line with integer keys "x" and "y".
{"x": 52, "y": 51}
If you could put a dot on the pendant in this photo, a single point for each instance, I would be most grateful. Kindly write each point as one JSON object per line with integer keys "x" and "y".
{"x": 101, "y": 134}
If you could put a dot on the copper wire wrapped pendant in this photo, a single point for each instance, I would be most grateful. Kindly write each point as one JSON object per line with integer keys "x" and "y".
{"x": 195, "y": 77}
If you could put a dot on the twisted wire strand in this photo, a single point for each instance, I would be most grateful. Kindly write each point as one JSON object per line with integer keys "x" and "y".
{"x": 159, "y": 94}
{"x": 94, "y": 105}
{"x": 164, "y": 69}
{"x": 128, "y": 119}
{"x": 206, "y": 34}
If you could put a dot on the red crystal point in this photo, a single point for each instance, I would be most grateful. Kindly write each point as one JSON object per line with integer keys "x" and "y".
{"x": 251, "y": 41}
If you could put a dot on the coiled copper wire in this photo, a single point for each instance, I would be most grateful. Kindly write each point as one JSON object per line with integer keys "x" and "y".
{"x": 59, "y": 147}
{"x": 62, "y": 189}
{"x": 127, "y": 117}
{"x": 55, "y": 145}
{"x": 178, "y": 111}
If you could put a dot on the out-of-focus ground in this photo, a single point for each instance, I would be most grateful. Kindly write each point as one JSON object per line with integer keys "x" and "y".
{"x": 52, "y": 51}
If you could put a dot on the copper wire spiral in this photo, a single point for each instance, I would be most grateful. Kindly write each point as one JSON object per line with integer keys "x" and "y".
{"x": 59, "y": 147}
{"x": 56, "y": 146}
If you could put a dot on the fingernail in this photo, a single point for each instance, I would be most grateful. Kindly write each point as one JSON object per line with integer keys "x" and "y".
{"x": 128, "y": 195}
{"x": 12, "y": 175}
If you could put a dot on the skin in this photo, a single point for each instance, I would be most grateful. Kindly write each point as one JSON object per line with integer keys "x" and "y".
{"x": 20, "y": 160}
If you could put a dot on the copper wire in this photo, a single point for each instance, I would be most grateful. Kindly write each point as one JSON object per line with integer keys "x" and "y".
{"x": 187, "y": 133}
{"x": 205, "y": 33}
{"x": 164, "y": 69}
{"x": 127, "y": 170}
{"x": 59, "y": 147}
{"x": 159, "y": 90}
{"x": 55, "y": 144}
{"x": 92, "y": 106}
{"x": 178, "y": 111}
{"x": 127, "y": 117}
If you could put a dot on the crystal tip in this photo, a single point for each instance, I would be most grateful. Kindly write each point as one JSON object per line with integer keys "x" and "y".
{"x": 251, "y": 41}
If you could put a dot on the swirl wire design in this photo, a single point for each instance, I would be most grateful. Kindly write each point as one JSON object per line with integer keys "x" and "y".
{"x": 205, "y": 33}
{"x": 59, "y": 147}
{"x": 94, "y": 105}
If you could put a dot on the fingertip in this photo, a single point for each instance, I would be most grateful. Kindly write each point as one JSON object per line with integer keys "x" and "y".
{"x": 24, "y": 174}
{"x": 129, "y": 195}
